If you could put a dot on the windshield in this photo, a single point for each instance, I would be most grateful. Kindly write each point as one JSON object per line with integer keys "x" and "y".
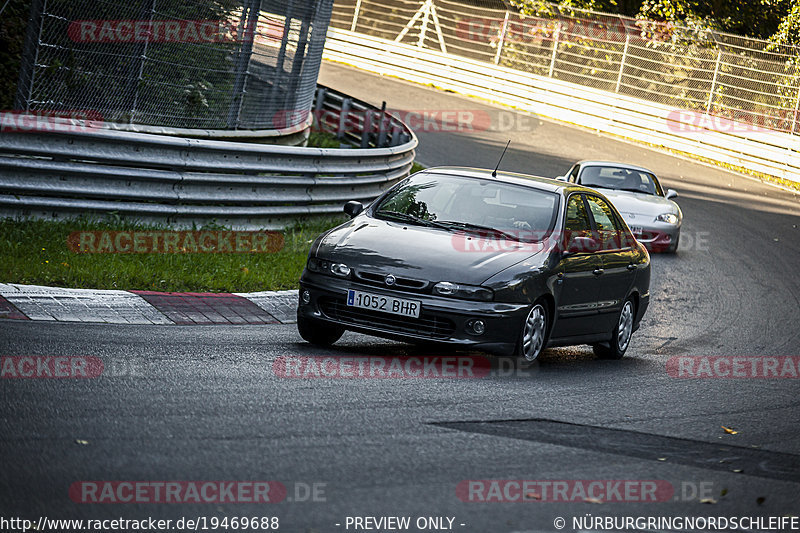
{"x": 623, "y": 179}
{"x": 472, "y": 204}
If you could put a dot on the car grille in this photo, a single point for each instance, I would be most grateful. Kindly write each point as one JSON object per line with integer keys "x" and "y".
{"x": 401, "y": 284}
{"x": 426, "y": 325}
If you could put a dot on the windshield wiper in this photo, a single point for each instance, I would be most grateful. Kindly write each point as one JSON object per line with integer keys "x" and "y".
{"x": 477, "y": 227}
{"x": 635, "y": 190}
{"x": 411, "y": 218}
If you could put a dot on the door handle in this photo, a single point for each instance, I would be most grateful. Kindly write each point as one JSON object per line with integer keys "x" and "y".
{"x": 631, "y": 267}
{"x": 597, "y": 271}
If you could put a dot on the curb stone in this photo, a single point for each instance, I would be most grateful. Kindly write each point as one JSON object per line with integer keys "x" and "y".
{"x": 56, "y": 304}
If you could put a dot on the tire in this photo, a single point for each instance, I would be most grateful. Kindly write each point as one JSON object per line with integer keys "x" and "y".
{"x": 673, "y": 247}
{"x": 317, "y": 332}
{"x": 533, "y": 337}
{"x": 621, "y": 336}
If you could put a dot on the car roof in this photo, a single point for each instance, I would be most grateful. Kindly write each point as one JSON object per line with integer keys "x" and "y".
{"x": 592, "y": 163}
{"x": 537, "y": 182}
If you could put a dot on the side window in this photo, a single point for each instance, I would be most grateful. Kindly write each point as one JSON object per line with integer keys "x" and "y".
{"x": 573, "y": 175}
{"x": 577, "y": 223}
{"x": 610, "y": 231}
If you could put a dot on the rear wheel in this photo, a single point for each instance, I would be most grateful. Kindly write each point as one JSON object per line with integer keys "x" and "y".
{"x": 534, "y": 333}
{"x": 621, "y": 337}
{"x": 318, "y": 332}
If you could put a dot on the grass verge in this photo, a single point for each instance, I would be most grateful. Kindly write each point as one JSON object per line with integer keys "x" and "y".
{"x": 35, "y": 252}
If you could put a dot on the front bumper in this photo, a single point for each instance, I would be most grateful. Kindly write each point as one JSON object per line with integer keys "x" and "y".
{"x": 442, "y": 320}
{"x": 658, "y": 238}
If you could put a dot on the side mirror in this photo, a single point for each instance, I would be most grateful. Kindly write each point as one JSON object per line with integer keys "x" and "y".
{"x": 671, "y": 193}
{"x": 579, "y": 245}
{"x": 353, "y": 208}
{"x": 561, "y": 178}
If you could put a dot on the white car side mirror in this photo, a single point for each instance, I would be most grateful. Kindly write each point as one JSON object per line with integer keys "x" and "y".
{"x": 671, "y": 193}
{"x": 561, "y": 178}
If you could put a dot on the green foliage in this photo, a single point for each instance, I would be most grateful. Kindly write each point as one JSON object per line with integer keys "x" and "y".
{"x": 35, "y": 252}
{"x": 777, "y": 20}
{"x": 788, "y": 31}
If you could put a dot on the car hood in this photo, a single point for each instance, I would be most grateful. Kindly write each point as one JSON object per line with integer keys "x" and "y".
{"x": 631, "y": 203}
{"x": 418, "y": 252}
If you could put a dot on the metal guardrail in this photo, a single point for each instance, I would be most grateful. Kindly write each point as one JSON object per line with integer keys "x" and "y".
{"x": 694, "y": 132}
{"x": 156, "y": 178}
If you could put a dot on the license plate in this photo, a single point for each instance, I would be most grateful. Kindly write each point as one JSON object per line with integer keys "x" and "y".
{"x": 384, "y": 304}
{"x": 637, "y": 230}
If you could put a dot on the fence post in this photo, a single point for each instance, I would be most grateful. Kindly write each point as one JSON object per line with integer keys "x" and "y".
{"x": 424, "y": 28}
{"x": 555, "y": 50}
{"x": 796, "y": 107}
{"x": 247, "y": 34}
{"x": 142, "y": 58}
{"x": 382, "y": 127}
{"x": 365, "y": 131}
{"x": 501, "y": 40}
{"x": 30, "y": 54}
{"x": 713, "y": 83}
{"x": 355, "y": 16}
{"x": 340, "y": 131}
{"x": 622, "y": 61}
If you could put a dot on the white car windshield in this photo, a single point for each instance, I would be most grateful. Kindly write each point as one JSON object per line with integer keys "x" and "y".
{"x": 620, "y": 178}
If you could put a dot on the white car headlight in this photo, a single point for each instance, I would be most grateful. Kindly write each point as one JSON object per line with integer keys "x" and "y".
{"x": 669, "y": 218}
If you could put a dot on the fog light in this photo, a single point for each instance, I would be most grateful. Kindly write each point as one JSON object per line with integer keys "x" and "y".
{"x": 478, "y": 327}
{"x": 305, "y": 296}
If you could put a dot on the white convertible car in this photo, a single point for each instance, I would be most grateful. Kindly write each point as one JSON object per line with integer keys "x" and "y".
{"x": 649, "y": 211}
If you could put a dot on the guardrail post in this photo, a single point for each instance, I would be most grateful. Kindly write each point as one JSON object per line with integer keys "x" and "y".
{"x": 622, "y": 61}
{"x": 355, "y": 16}
{"x": 556, "y": 36}
{"x": 501, "y": 39}
{"x": 340, "y": 131}
{"x": 382, "y": 127}
{"x": 365, "y": 132}
{"x": 713, "y": 83}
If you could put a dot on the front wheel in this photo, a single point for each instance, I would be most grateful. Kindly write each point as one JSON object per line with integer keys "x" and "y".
{"x": 318, "y": 332}
{"x": 534, "y": 333}
{"x": 621, "y": 337}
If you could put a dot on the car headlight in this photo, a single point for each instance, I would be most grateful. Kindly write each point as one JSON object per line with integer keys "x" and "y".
{"x": 467, "y": 292}
{"x": 669, "y": 218}
{"x": 328, "y": 267}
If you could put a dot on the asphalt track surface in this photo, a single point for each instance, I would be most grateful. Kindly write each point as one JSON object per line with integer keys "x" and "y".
{"x": 203, "y": 402}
